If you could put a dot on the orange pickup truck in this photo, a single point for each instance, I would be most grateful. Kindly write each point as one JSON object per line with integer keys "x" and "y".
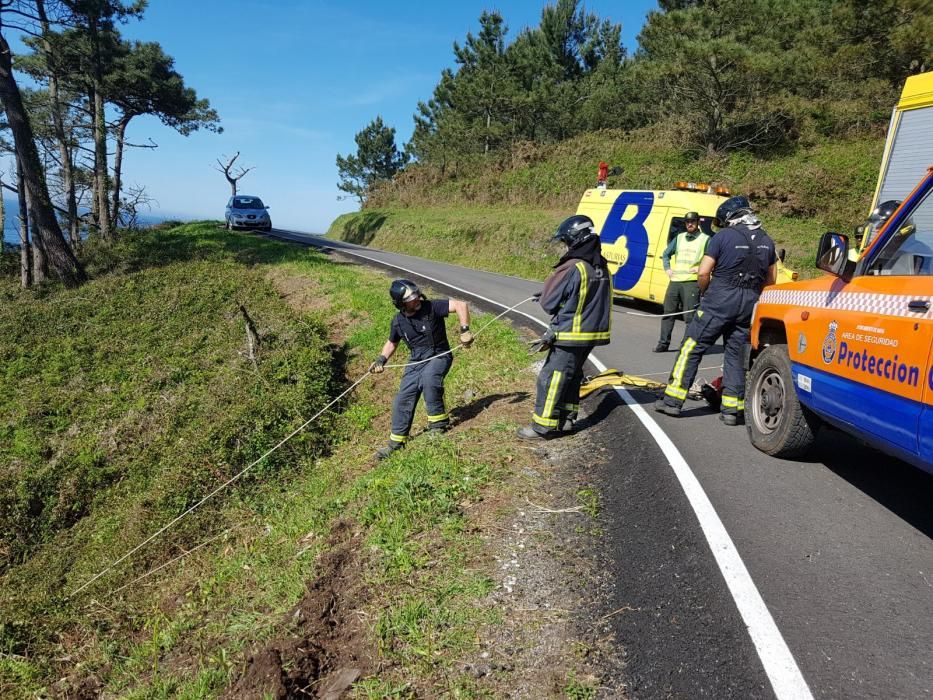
{"x": 852, "y": 348}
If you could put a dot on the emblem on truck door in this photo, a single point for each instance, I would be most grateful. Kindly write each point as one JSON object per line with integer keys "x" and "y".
{"x": 829, "y": 343}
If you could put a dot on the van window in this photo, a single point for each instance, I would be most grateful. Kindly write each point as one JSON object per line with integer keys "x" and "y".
{"x": 910, "y": 250}
{"x": 678, "y": 227}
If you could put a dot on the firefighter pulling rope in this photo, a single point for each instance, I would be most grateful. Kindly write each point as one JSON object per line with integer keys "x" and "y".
{"x": 243, "y": 471}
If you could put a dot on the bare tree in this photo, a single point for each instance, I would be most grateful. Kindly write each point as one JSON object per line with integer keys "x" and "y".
{"x": 135, "y": 199}
{"x": 232, "y": 174}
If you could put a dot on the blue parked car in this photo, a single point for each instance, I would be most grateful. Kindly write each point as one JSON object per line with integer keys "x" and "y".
{"x": 246, "y": 211}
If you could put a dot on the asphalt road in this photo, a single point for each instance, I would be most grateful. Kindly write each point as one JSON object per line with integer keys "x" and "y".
{"x": 839, "y": 547}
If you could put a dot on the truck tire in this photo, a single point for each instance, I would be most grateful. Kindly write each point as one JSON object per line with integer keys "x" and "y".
{"x": 777, "y": 423}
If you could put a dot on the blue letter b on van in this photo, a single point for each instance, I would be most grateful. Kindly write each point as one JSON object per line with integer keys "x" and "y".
{"x": 636, "y": 235}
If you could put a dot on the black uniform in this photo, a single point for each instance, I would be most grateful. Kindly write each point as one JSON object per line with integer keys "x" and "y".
{"x": 578, "y": 294}
{"x": 426, "y": 335}
{"x": 743, "y": 257}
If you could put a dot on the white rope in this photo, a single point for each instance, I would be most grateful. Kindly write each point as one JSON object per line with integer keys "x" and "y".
{"x": 457, "y": 347}
{"x": 246, "y": 469}
{"x": 658, "y": 374}
{"x": 218, "y": 489}
{"x": 170, "y": 561}
{"x": 675, "y": 313}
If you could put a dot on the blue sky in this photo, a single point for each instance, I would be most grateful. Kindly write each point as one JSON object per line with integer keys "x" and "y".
{"x": 294, "y": 81}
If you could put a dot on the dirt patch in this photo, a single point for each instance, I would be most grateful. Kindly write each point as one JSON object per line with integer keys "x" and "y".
{"x": 304, "y": 294}
{"x": 326, "y": 646}
{"x": 84, "y": 688}
{"x": 300, "y": 292}
{"x": 555, "y": 638}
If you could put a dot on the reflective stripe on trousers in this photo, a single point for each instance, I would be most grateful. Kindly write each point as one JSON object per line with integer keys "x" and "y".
{"x": 702, "y": 332}
{"x": 427, "y": 379}
{"x": 558, "y": 387}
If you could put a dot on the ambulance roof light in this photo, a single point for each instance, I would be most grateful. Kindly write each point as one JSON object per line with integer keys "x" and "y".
{"x": 706, "y": 187}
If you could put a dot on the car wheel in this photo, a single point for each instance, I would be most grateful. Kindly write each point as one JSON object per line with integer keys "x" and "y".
{"x": 267, "y": 227}
{"x": 229, "y": 225}
{"x": 778, "y": 424}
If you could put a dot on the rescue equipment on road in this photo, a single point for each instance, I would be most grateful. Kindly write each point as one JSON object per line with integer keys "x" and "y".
{"x": 711, "y": 392}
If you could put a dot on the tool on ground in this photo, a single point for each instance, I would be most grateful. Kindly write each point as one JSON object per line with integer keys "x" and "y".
{"x": 711, "y": 392}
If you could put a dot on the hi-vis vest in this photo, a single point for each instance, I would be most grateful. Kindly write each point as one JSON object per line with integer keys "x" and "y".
{"x": 689, "y": 254}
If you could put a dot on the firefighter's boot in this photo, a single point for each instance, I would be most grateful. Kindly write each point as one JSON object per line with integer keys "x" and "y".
{"x": 532, "y": 435}
{"x": 384, "y": 452}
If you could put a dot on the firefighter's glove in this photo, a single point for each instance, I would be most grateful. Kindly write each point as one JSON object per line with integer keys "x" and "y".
{"x": 543, "y": 343}
{"x": 466, "y": 337}
{"x": 379, "y": 365}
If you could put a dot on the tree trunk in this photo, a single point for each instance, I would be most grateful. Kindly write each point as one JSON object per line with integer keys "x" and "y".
{"x": 118, "y": 168}
{"x": 64, "y": 152}
{"x": 100, "y": 133}
{"x": 25, "y": 250}
{"x": 2, "y": 216}
{"x": 95, "y": 200}
{"x": 100, "y": 165}
{"x": 60, "y": 256}
{"x": 64, "y": 142}
{"x": 40, "y": 256}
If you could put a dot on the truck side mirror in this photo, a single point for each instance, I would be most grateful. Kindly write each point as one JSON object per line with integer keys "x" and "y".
{"x": 832, "y": 255}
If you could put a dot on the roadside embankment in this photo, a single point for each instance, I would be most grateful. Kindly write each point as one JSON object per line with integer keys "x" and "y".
{"x": 128, "y": 400}
{"x": 498, "y": 213}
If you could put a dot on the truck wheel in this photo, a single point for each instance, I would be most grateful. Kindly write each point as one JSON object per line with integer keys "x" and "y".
{"x": 778, "y": 424}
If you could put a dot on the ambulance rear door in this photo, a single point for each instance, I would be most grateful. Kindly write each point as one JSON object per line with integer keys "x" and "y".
{"x": 626, "y": 240}
{"x": 661, "y": 234}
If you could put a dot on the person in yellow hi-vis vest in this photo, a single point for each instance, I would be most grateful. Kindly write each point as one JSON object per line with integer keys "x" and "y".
{"x": 683, "y": 292}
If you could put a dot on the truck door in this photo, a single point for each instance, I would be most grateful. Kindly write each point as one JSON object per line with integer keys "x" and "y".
{"x": 926, "y": 416}
{"x": 882, "y": 323}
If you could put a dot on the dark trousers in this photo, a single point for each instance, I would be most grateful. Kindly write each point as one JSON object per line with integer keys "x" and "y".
{"x": 702, "y": 332}
{"x": 558, "y": 386}
{"x": 680, "y": 296}
{"x": 426, "y": 378}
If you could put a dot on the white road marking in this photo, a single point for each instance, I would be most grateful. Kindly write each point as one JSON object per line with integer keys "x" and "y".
{"x": 780, "y": 666}
{"x": 785, "y": 676}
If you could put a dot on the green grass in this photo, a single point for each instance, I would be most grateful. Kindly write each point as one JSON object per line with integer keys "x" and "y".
{"x": 506, "y": 240}
{"x": 126, "y": 400}
{"x": 497, "y": 214}
{"x": 575, "y": 689}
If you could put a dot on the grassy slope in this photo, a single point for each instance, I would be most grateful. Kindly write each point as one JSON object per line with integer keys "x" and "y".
{"x": 128, "y": 399}
{"x": 499, "y": 215}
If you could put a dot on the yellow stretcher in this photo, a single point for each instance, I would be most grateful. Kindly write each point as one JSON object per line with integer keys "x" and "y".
{"x": 711, "y": 393}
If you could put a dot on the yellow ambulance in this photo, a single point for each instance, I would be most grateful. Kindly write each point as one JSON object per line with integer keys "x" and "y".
{"x": 635, "y": 227}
